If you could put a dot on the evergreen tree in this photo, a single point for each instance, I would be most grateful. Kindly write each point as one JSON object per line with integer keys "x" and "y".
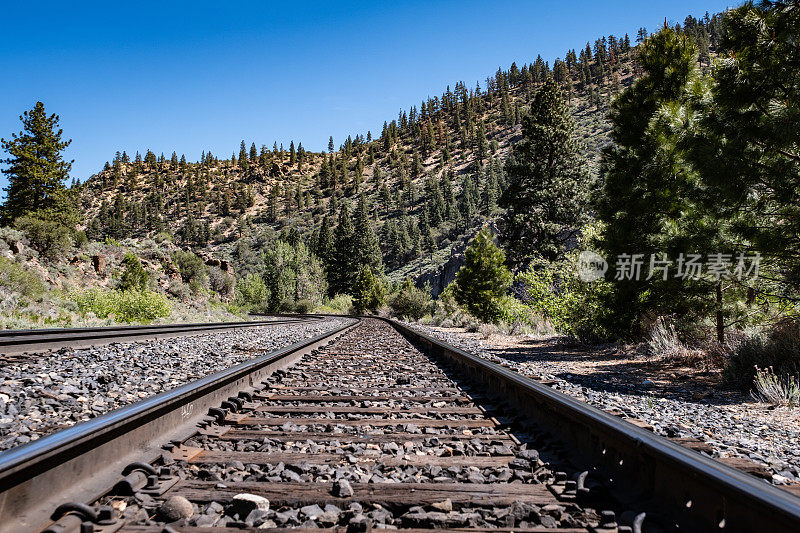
{"x": 651, "y": 203}
{"x": 367, "y": 249}
{"x": 36, "y": 170}
{"x": 324, "y": 242}
{"x": 369, "y": 292}
{"x": 549, "y": 182}
{"x": 343, "y": 271}
{"x": 747, "y": 146}
{"x": 242, "y": 156}
{"x": 426, "y": 235}
{"x": 134, "y": 276}
{"x": 484, "y": 278}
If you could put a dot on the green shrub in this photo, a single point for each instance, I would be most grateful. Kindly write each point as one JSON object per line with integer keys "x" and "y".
{"x": 410, "y": 302}
{"x": 134, "y": 276}
{"x": 778, "y": 348}
{"x": 191, "y": 268}
{"x": 80, "y": 239}
{"x": 221, "y": 282}
{"x": 252, "y": 293}
{"x": 303, "y": 306}
{"x": 21, "y": 280}
{"x": 484, "y": 278}
{"x": 179, "y": 289}
{"x": 51, "y": 239}
{"x": 513, "y": 311}
{"x": 574, "y": 307}
{"x": 339, "y": 304}
{"x": 125, "y": 306}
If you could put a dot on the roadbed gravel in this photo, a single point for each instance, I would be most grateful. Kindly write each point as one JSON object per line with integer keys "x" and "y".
{"x": 733, "y": 424}
{"x": 52, "y": 391}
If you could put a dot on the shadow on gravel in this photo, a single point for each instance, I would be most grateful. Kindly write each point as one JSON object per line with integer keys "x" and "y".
{"x": 606, "y": 368}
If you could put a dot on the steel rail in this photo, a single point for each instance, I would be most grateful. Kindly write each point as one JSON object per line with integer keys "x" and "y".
{"x": 680, "y": 487}
{"x": 37, "y": 340}
{"x": 84, "y": 461}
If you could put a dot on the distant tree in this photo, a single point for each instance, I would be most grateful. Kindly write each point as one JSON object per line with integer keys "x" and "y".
{"x": 549, "y": 182}
{"x": 330, "y": 144}
{"x": 243, "y": 156}
{"x": 367, "y": 248}
{"x": 481, "y": 146}
{"x": 369, "y": 292}
{"x": 36, "y": 170}
{"x": 484, "y": 278}
{"x": 343, "y": 271}
{"x": 324, "y": 242}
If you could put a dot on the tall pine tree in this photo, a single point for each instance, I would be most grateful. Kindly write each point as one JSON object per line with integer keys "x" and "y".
{"x": 36, "y": 169}
{"x": 548, "y": 182}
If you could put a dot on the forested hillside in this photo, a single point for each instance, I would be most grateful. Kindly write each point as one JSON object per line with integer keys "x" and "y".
{"x": 430, "y": 178}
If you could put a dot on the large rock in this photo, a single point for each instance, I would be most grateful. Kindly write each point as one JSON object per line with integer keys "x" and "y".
{"x": 175, "y": 508}
{"x": 243, "y": 504}
{"x": 99, "y": 263}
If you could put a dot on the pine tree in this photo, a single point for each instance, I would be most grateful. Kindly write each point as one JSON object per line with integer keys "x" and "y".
{"x": 747, "y": 148}
{"x": 243, "y": 156}
{"x": 36, "y": 170}
{"x": 324, "y": 242}
{"x": 343, "y": 271}
{"x": 651, "y": 203}
{"x": 428, "y": 243}
{"x": 549, "y": 182}
{"x": 330, "y": 144}
{"x": 367, "y": 249}
{"x": 369, "y": 293}
{"x": 484, "y": 278}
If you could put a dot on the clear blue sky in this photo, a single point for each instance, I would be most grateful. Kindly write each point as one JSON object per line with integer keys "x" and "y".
{"x": 189, "y": 76}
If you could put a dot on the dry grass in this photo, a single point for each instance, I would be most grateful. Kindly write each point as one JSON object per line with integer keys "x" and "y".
{"x": 776, "y": 390}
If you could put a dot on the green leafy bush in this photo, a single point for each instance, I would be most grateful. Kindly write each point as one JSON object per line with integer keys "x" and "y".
{"x": 339, "y": 304}
{"x": 191, "y": 268}
{"x": 410, "y": 302}
{"x": 777, "y": 348}
{"x": 51, "y": 239}
{"x": 125, "y": 306}
{"x": 134, "y": 276}
{"x": 252, "y": 293}
{"x": 21, "y": 280}
{"x": 303, "y": 306}
{"x": 572, "y": 306}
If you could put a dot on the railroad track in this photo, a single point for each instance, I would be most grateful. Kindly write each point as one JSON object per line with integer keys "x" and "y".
{"x": 15, "y": 345}
{"x": 374, "y": 426}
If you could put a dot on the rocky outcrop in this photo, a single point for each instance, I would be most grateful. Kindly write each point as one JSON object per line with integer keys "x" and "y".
{"x": 444, "y": 276}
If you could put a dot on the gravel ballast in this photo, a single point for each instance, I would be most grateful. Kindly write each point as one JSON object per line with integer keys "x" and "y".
{"x": 53, "y": 391}
{"x": 732, "y": 427}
